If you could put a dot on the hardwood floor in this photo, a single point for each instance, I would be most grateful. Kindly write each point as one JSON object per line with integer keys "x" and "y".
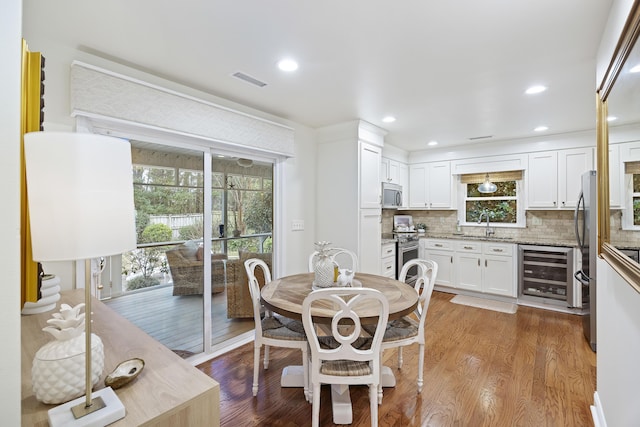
{"x": 482, "y": 368}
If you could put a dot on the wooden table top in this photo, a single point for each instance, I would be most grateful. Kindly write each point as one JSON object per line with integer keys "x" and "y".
{"x": 285, "y": 296}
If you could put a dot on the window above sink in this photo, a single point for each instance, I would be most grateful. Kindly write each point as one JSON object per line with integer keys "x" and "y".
{"x": 505, "y": 206}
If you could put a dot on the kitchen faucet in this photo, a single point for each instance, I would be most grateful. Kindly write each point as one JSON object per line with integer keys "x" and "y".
{"x": 488, "y": 231}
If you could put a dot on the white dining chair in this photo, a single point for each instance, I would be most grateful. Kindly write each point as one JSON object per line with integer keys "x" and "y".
{"x": 344, "y": 258}
{"x": 410, "y": 329}
{"x": 344, "y": 357}
{"x": 271, "y": 329}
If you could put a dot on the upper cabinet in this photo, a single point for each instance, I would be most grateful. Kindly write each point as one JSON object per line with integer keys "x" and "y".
{"x": 431, "y": 186}
{"x": 554, "y": 177}
{"x": 397, "y": 173}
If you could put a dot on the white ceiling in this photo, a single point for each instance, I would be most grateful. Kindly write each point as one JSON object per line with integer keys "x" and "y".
{"x": 448, "y": 70}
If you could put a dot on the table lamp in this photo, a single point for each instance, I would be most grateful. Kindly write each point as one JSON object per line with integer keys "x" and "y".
{"x": 80, "y": 198}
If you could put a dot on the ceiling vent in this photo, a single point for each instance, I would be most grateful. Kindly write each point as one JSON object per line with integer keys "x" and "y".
{"x": 247, "y": 78}
{"x": 475, "y": 138}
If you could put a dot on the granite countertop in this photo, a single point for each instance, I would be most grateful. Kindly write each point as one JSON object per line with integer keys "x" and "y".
{"x": 390, "y": 238}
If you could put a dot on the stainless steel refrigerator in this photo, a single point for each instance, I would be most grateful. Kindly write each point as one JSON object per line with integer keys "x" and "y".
{"x": 586, "y": 227}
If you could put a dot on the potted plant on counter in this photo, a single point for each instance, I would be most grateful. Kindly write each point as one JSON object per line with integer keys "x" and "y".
{"x": 421, "y": 227}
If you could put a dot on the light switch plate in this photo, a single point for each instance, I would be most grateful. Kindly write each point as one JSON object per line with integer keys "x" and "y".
{"x": 297, "y": 225}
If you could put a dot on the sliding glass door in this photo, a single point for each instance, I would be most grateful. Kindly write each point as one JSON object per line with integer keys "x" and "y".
{"x": 188, "y": 292}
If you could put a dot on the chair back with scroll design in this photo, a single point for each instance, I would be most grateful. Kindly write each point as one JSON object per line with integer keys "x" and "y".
{"x": 410, "y": 329}
{"x": 271, "y": 329}
{"x": 344, "y": 258}
{"x": 345, "y": 356}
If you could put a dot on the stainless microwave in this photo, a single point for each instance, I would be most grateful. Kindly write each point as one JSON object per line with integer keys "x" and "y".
{"x": 391, "y": 195}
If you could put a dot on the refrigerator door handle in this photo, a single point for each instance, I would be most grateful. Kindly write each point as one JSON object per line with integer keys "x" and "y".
{"x": 579, "y": 238}
{"x": 581, "y": 277}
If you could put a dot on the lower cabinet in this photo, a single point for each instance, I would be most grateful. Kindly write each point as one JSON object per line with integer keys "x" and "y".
{"x": 484, "y": 267}
{"x": 440, "y": 251}
{"x": 388, "y": 258}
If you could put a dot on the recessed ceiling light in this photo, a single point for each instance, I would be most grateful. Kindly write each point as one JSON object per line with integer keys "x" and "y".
{"x": 288, "y": 65}
{"x": 635, "y": 69}
{"x": 389, "y": 119}
{"x": 541, "y": 128}
{"x": 612, "y": 118}
{"x": 535, "y": 89}
{"x": 432, "y": 143}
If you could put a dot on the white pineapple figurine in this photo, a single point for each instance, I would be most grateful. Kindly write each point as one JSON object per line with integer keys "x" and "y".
{"x": 58, "y": 371}
{"x": 323, "y": 266}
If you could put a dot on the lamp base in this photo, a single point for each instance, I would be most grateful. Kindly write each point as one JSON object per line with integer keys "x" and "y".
{"x": 111, "y": 411}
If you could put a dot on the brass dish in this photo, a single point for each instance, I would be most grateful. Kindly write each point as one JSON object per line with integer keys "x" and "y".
{"x": 124, "y": 373}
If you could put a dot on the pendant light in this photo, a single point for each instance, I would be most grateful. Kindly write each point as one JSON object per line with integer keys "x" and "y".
{"x": 487, "y": 186}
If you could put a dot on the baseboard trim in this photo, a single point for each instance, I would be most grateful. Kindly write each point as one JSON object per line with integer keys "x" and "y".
{"x": 597, "y": 413}
{"x": 225, "y": 347}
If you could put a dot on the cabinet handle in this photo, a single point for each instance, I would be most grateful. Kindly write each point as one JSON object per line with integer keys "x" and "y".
{"x": 389, "y": 268}
{"x": 497, "y": 250}
{"x": 468, "y": 247}
{"x": 452, "y": 260}
{"x": 562, "y": 203}
{"x": 554, "y": 203}
{"x": 437, "y": 245}
{"x": 478, "y": 262}
{"x": 485, "y": 262}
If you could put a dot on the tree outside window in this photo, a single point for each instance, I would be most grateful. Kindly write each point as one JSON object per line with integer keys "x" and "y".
{"x": 502, "y": 205}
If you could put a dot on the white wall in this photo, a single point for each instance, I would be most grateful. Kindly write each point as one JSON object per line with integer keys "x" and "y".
{"x": 299, "y": 172}
{"x": 10, "y": 52}
{"x": 618, "y": 305}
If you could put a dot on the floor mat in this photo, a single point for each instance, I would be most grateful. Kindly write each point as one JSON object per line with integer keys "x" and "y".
{"x": 504, "y": 307}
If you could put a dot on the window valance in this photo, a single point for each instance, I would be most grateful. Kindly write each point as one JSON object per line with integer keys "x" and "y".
{"x": 478, "y": 178}
{"x": 99, "y": 92}
{"x": 632, "y": 167}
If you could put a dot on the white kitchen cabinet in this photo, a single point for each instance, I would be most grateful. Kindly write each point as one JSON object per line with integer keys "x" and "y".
{"x": 388, "y": 260}
{"x": 616, "y": 177}
{"x": 397, "y": 173}
{"x": 440, "y": 251}
{"x": 477, "y": 266}
{"x": 467, "y": 261}
{"x": 542, "y": 180}
{"x": 499, "y": 275}
{"x": 571, "y": 165}
{"x": 389, "y": 170}
{"x": 431, "y": 186}
{"x": 370, "y": 236}
{"x": 370, "y": 187}
{"x": 554, "y": 177}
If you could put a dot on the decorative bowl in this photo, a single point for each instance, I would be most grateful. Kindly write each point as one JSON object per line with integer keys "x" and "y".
{"x": 124, "y": 373}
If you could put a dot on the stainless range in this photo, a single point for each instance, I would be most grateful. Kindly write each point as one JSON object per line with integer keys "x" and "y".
{"x": 406, "y": 249}
{"x": 406, "y": 245}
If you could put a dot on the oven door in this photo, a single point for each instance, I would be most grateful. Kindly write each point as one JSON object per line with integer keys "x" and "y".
{"x": 405, "y": 252}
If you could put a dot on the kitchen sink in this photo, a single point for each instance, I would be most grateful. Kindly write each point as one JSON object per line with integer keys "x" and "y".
{"x": 466, "y": 237}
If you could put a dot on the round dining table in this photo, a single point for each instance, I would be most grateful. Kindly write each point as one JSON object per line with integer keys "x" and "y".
{"x": 285, "y": 296}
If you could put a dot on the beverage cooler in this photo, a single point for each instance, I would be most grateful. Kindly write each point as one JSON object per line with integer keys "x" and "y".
{"x": 546, "y": 275}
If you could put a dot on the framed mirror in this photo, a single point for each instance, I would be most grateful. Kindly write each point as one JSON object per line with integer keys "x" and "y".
{"x": 618, "y": 180}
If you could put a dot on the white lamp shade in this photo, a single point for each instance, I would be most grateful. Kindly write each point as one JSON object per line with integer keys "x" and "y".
{"x": 80, "y": 195}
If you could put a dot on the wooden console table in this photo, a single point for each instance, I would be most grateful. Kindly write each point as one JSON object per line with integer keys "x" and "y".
{"x": 168, "y": 392}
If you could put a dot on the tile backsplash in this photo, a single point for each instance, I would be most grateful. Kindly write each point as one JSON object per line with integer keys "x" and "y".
{"x": 553, "y": 226}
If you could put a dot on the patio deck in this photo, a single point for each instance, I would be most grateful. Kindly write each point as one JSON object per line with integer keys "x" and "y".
{"x": 176, "y": 321}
